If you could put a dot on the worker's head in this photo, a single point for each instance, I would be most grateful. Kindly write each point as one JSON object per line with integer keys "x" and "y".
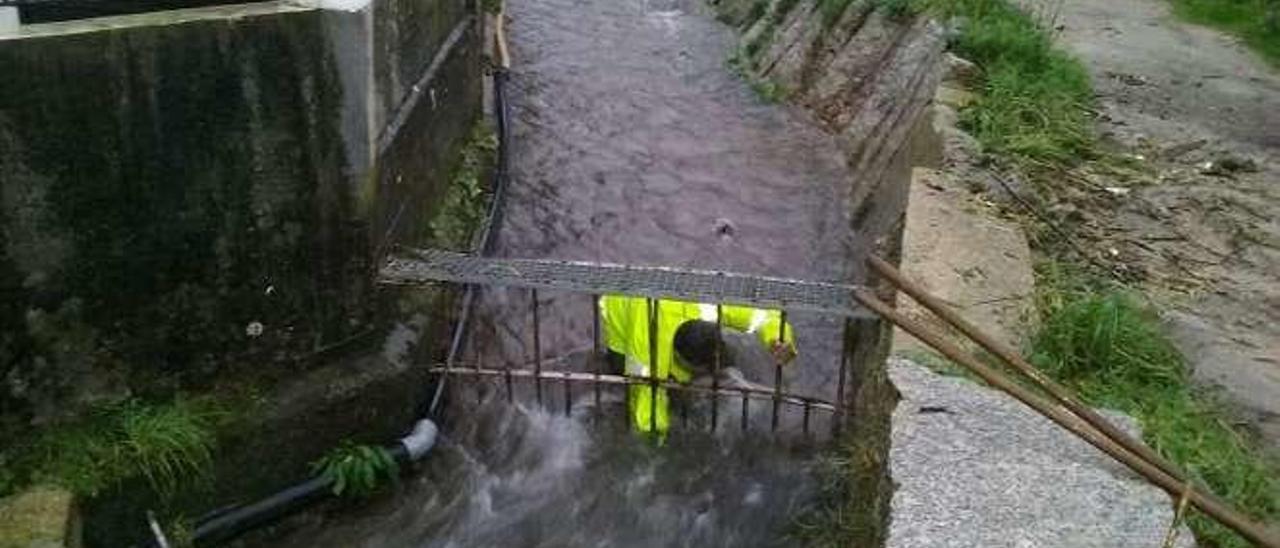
{"x": 696, "y": 343}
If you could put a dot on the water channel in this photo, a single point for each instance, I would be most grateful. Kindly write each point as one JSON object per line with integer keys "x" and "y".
{"x": 634, "y": 143}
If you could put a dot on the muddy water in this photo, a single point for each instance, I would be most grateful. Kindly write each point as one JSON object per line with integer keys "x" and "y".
{"x": 633, "y": 144}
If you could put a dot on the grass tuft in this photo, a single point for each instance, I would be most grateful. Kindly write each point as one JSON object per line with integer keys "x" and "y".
{"x": 1256, "y": 22}
{"x": 466, "y": 198}
{"x": 1034, "y": 103}
{"x": 168, "y": 445}
{"x": 1109, "y": 347}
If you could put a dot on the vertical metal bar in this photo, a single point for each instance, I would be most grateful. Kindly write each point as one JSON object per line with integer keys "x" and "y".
{"x": 806, "y": 417}
{"x": 715, "y": 368}
{"x": 838, "y": 415}
{"x": 511, "y": 393}
{"x": 475, "y": 353}
{"x": 684, "y": 409}
{"x": 653, "y": 365}
{"x": 745, "y": 401}
{"x": 777, "y": 373}
{"x": 568, "y": 396}
{"x": 600, "y": 356}
{"x": 537, "y": 349}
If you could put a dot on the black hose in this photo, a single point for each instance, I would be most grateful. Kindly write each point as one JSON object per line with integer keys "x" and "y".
{"x": 227, "y": 524}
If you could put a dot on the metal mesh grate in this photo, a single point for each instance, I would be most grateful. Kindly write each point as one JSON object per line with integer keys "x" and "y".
{"x": 431, "y": 265}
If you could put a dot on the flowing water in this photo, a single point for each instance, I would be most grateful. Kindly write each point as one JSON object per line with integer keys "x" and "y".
{"x": 633, "y": 143}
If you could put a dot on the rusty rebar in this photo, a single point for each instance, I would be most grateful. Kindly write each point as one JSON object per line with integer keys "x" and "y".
{"x": 752, "y": 393}
{"x": 653, "y": 365}
{"x": 838, "y": 419}
{"x": 1024, "y": 369}
{"x": 537, "y": 347}
{"x": 597, "y": 353}
{"x": 1059, "y": 414}
{"x": 777, "y": 374}
{"x": 715, "y": 367}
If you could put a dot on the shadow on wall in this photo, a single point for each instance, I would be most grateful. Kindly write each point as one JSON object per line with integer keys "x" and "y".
{"x": 184, "y": 196}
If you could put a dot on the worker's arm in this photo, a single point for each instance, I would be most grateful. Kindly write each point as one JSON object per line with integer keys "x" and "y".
{"x": 766, "y": 325}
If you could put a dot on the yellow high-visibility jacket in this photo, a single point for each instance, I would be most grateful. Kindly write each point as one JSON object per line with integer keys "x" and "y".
{"x": 626, "y": 331}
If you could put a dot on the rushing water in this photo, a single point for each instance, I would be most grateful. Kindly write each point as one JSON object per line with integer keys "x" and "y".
{"x": 633, "y": 143}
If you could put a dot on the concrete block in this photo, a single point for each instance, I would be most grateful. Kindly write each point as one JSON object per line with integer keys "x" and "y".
{"x": 9, "y": 21}
{"x": 967, "y": 256}
{"x": 44, "y": 517}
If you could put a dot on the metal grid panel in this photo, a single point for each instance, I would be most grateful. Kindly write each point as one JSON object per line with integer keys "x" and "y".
{"x": 431, "y": 265}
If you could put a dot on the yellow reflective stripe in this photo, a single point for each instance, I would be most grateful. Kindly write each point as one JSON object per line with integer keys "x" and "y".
{"x": 636, "y": 368}
{"x": 707, "y": 312}
{"x": 758, "y": 317}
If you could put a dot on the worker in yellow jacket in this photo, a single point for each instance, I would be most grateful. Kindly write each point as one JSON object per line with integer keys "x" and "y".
{"x": 687, "y": 337}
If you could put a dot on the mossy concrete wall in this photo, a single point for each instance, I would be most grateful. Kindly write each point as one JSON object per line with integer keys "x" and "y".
{"x": 867, "y": 75}
{"x": 193, "y": 195}
{"x": 196, "y": 199}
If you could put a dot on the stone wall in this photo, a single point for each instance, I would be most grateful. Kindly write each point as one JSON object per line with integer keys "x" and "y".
{"x": 191, "y": 195}
{"x": 867, "y": 76}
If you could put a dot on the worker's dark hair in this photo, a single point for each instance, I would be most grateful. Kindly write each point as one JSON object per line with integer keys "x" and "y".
{"x": 695, "y": 342}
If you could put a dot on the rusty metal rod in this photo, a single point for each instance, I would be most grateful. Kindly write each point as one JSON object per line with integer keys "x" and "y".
{"x": 715, "y": 368}
{"x": 838, "y": 419}
{"x": 807, "y": 409}
{"x": 596, "y": 351}
{"x": 1207, "y": 503}
{"x": 1011, "y": 358}
{"x": 777, "y": 375}
{"x": 653, "y": 365}
{"x": 537, "y": 346}
{"x": 624, "y": 380}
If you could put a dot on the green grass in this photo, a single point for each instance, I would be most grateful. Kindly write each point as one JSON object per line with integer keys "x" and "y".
{"x": 167, "y": 445}
{"x": 1033, "y": 106}
{"x": 357, "y": 470}
{"x": 466, "y": 198}
{"x": 1109, "y": 347}
{"x": 1257, "y": 22}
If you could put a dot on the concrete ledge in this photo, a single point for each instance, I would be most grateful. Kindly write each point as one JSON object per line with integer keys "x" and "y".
{"x": 44, "y": 517}
{"x": 957, "y": 248}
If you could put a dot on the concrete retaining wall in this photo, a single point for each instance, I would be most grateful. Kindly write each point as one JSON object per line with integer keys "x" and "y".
{"x": 197, "y": 196}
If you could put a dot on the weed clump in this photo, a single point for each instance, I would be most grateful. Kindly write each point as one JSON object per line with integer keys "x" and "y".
{"x": 168, "y": 445}
{"x": 1256, "y": 22}
{"x": 1109, "y": 347}
{"x": 463, "y": 208}
{"x": 1034, "y": 103}
{"x": 357, "y": 470}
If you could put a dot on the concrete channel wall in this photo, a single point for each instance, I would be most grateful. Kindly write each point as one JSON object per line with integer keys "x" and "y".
{"x": 198, "y": 197}
{"x": 866, "y": 75}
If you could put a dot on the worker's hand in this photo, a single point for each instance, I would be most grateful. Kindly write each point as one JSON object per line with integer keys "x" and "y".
{"x": 783, "y": 352}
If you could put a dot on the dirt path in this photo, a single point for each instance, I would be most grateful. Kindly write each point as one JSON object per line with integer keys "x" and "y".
{"x": 1199, "y": 220}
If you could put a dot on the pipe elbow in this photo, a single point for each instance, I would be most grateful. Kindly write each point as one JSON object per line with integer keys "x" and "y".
{"x": 421, "y": 440}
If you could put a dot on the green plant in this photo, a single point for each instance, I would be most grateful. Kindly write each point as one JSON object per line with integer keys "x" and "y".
{"x": 357, "y": 470}
{"x": 769, "y": 91}
{"x": 1107, "y": 346}
{"x": 463, "y": 209}
{"x": 1033, "y": 107}
{"x": 1257, "y": 22}
{"x": 167, "y": 445}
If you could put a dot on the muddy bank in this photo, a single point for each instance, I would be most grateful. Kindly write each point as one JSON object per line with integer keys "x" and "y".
{"x": 1187, "y": 101}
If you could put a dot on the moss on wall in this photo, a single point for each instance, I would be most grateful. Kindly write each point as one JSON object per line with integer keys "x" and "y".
{"x": 187, "y": 178}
